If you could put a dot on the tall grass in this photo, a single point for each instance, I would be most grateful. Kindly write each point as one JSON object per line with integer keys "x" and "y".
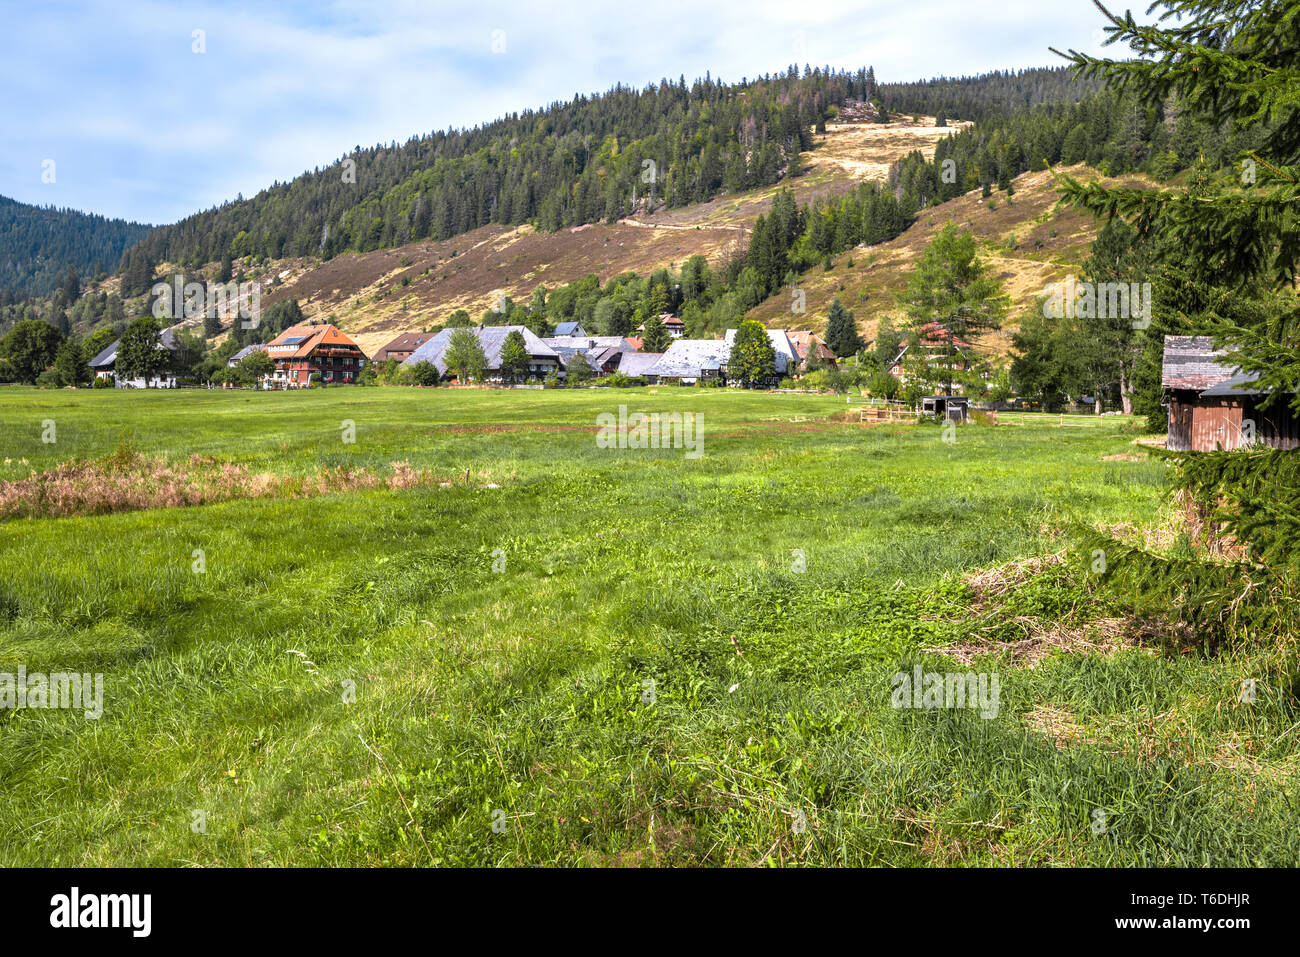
{"x": 614, "y": 657}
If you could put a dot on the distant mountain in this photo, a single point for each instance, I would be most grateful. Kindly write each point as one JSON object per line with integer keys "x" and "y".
{"x": 588, "y": 159}
{"x": 39, "y": 243}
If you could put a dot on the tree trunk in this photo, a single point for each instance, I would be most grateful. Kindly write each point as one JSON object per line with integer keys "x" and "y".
{"x": 1125, "y": 391}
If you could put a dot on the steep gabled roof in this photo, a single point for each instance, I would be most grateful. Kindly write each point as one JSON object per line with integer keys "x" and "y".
{"x": 781, "y": 345}
{"x": 638, "y": 363}
{"x": 108, "y": 357}
{"x": 690, "y": 358}
{"x": 569, "y": 329}
{"x": 405, "y": 342}
{"x": 298, "y": 342}
{"x": 1192, "y": 362}
{"x": 803, "y": 340}
{"x": 491, "y": 338}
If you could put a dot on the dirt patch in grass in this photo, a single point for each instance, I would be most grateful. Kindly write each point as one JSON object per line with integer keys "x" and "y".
{"x": 128, "y": 482}
{"x": 1037, "y": 638}
{"x": 492, "y": 429}
{"x": 1103, "y": 636}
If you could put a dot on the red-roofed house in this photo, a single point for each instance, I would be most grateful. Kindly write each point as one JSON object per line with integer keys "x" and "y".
{"x": 308, "y": 349}
{"x": 804, "y": 340}
{"x": 402, "y": 347}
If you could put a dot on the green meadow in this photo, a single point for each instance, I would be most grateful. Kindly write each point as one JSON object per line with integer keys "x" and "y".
{"x": 560, "y": 654}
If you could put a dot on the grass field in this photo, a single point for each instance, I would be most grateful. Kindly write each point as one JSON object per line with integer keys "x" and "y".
{"x": 612, "y": 657}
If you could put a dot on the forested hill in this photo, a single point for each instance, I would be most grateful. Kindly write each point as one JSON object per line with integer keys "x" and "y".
{"x": 38, "y": 244}
{"x": 573, "y": 162}
{"x": 988, "y": 95}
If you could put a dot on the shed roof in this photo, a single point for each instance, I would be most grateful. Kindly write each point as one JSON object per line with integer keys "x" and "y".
{"x": 1192, "y": 362}
{"x": 1239, "y": 384}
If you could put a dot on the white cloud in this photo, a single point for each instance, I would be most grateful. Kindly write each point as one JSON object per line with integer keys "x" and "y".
{"x": 150, "y": 130}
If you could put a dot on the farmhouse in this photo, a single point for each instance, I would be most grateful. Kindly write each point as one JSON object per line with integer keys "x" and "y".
{"x": 601, "y": 351}
{"x": 787, "y": 359}
{"x": 244, "y": 353}
{"x": 542, "y": 359}
{"x": 314, "y": 349}
{"x": 1212, "y": 404}
{"x": 936, "y": 345}
{"x": 638, "y": 365}
{"x": 806, "y": 344}
{"x": 690, "y": 360}
{"x": 104, "y": 366}
{"x": 401, "y": 347}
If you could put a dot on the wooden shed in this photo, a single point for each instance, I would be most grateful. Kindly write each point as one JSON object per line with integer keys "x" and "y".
{"x": 1212, "y": 404}
{"x": 954, "y": 407}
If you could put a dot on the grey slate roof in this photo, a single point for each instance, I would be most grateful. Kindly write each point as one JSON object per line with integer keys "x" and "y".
{"x": 569, "y": 329}
{"x": 246, "y": 352}
{"x": 588, "y": 342}
{"x": 489, "y": 337}
{"x": 567, "y": 356}
{"x": 638, "y": 363}
{"x": 108, "y": 357}
{"x": 1192, "y": 362}
{"x": 689, "y": 358}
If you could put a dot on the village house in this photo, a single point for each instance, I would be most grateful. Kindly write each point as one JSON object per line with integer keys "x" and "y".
{"x": 787, "y": 359}
{"x": 689, "y": 361}
{"x": 244, "y": 353}
{"x": 314, "y": 349}
{"x": 638, "y": 365}
{"x": 570, "y": 329}
{"x": 542, "y": 359}
{"x": 104, "y": 366}
{"x": 601, "y": 351}
{"x": 935, "y": 344}
{"x": 1212, "y": 404}
{"x": 676, "y": 327}
{"x": 807, "y": 343}
{"x": 401, "y": 347}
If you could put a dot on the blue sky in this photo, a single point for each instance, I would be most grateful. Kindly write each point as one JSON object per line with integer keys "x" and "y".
{"x": 140, "y": 126}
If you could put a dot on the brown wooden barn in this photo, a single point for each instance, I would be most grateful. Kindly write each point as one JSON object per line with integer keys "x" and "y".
{"x": 1212, "y": 404}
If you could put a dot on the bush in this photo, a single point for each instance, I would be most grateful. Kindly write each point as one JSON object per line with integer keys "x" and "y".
{"x": 620, "y": 381}
{"x": 424, "y": 373}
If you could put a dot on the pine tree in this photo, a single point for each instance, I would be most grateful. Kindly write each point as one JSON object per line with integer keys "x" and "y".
{"x": 841, "y": 331}
{"x": 951, "y": 302}
{"x": 1233, "y": 64}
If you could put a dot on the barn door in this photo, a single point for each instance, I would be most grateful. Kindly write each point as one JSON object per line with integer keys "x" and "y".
{"x": 1217, "y": 426}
